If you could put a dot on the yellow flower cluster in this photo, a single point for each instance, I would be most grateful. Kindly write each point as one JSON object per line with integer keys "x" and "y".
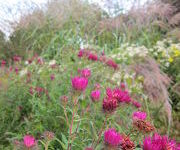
{"x": 175, "y": 53}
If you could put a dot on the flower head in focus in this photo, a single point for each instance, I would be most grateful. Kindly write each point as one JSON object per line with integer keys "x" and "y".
{"x": 111, "y": 137}
{"x": 158, "y": 142}
{"x": 79, "y": 83}
{"x": 29, "y": 141}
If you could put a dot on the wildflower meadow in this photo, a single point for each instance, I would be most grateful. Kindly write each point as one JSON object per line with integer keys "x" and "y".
{"x": 75, "y": 77}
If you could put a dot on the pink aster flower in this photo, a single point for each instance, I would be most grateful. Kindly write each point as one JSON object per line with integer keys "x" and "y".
{"x": 138, "y": 115}
{"x": 112, "y": 64}
{"x": 109, "y": 92}
{"x": 122, "y": 86}
{"x": 88, "y": 148}
{"x": 30, "y": 61}
{"x": 147, "y": 144}
{"x": 3, "y": 63}
{"x": 79, "y": 83}
{"x": 103, "y": 53}
{"x": 95, "y": 95}
{"x": 81, "y": 53}
{"x": 11, "y": 69}
{"x": 39, "y": 89}
{"x": 29, "y": 141}
{"x": 40, "y": 61}
{"x": 97, "y": 86}
{"x": 16, "y": 58}
{"x": 16, "y": 70}
{"x": 86, "y": 73}
{"x": 103, "y": 59}
{"x": 109, "y": 104}
{"x": 121, "y": 96}
{"x": 111, "y": 137}
{"x": 93, "y": 57}
{"x": 52, "y": 77}
{"x": 158, "y": 142}
{"x": 31, "y": 90}
{"x": 136, "y": 104}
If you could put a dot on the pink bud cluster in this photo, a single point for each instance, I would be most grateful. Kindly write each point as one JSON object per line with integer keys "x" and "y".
{"x": 112, "y": 64}
{"x": 52, "y": 77}
{"x": 113, "y": 97}
{"x": 40, "y": 61}
{"x": 91, "y": 56}
{"x": 3, "y": 63}
{"x": 38, "y": 90}
{"x": 136, "y": 104}
{"x": 86, "y": 73}
{"x": 88, "y": 54}
{"x": 88, "y": 148}
{"x": 16, "y": 58}
{"x": 119, "y": 94}
{"x": 95, "y": 95}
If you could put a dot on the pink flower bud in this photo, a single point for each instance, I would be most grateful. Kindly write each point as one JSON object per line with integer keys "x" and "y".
{"x": 95, "y": 95}
{"x": 52, "y": 77}
{"x": 86, "y": 73}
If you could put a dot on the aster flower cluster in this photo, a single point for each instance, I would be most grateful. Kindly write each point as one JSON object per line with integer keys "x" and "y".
{"x": 88, "y": 54}
{"x": 113, "y": 97}
{"x": 115, "y": 139}
{"x": 111, "y": 101}
{"x": 139, "y": 122}
{"x": 38, "y": 90}
{"x": 91, "y": 56}
{"x": 158, "y": 142}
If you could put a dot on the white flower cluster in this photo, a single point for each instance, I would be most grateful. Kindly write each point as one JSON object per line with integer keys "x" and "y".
{"x": 164, "y": 52}
{"x": 127, "y": 51}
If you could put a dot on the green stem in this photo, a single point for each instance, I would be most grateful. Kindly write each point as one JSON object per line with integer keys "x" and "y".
{"x": 147, "y": 108}
{"x": 46, "y": 146}
{"x": 71, "y": 126}
{"x": 101, "y": 131}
